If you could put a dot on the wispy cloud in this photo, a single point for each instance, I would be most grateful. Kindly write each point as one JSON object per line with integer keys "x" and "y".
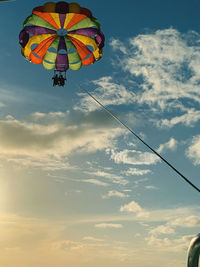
{"x": 94, "y": 181}
{"x": 116, "y": 44}
{"x": 108, "y": 93}
{"x": 167, "y": 244}
{"x": 21, "y": 236}
{"x": 133, "y": 157}
{"x": 155, "y": 236}
{"x": 114, "y": 193}
{"x": 108, "y": 225}
{"x": 190, "y": 221}
{"x": 48, "y": 163}
{"x": 165, "y": 66}
{"x": 53, "y": 136}
{"x": 134, "y": 207}
{"x": 92, "y": 239}
{"x": 114, "y": 178}
{"x": 193, "y": 151}
{"x": 136, "y": 171}
{"x": 157, "y": 217}
{"x": 189, "y": 119}
{"x": 162, "y": 229}
{"x": 151, "y": 187}
{"x": 170, "y": 145}
{"x": 67, "y": 245}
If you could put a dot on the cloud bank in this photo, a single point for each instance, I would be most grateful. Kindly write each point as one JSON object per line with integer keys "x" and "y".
{"x": 50, "y": 137}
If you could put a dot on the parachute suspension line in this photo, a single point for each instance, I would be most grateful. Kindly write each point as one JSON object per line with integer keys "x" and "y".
{"x": 138, "y": 137}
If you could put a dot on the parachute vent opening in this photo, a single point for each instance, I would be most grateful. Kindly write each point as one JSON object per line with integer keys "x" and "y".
{"x": 62, "y": 32}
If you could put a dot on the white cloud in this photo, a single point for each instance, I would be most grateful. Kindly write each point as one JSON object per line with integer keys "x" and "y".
{"x": 67, "y": 245}
{"x": 189, "y": 119}
{"x": 134, "y": 157}
{"x": 165, "y": 66}
{"x": 151, "y": 187}
{"x": 116, "y": 44}
{"x": 143, "y": 180}
{"x": 114, "y": 193}
{"x": 92, "y": 239}
{"x": 127, "y": 190}
{"x": 49, "y": 163}
{"x": 167, "y": 244}
{"x": 30, "y": 238}
{"x": 94, "y": 181}
{"x": 190, "y": 221}
{"x": 193, "y": 151}
{"x": 162, "y": 229}
{"x": 134, "y": 207}
{"x": 136, "y": 171}
{"x": 108, "y": 93}
{"x": 129, "y": 214}
{"x": 170, "y": 145}
{"x": 116, "y": 179}
{"x": 108, "y": 225}
{"x": 45, "y": 117}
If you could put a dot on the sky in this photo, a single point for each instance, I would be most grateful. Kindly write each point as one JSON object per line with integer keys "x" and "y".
{"x": 76, "y": 188}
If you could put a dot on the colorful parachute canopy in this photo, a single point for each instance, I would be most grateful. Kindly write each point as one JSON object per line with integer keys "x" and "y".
{"x": 61, "y": 35}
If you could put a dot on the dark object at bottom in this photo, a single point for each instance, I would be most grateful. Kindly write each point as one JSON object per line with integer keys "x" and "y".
{"x": 59, "y": 79}
{"x": 194, "y": 252}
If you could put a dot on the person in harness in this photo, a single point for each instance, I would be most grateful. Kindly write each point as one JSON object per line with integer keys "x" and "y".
{"x": 58, "y": 80}
{"x": 55, "y": 80}
{"x": 61, "y": 80}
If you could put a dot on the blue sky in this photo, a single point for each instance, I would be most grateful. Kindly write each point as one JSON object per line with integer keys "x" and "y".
{"x": 73, "y": 182}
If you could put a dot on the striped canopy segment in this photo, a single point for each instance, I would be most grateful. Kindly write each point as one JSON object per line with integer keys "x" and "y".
{"x": 61, "y": 35}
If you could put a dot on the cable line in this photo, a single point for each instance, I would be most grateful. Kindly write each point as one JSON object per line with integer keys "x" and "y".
{"x": 139, "y": 138}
